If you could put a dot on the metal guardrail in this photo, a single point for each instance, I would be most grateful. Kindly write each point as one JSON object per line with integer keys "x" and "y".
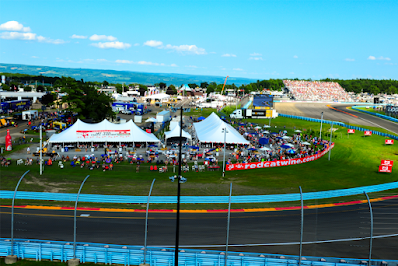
{"x": 375, "y": 114}
{"x": 133, "y": 255}
{"x": 5, "y": 194}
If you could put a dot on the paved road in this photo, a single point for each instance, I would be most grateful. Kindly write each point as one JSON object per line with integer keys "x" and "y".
{"x": 206, "y": 230}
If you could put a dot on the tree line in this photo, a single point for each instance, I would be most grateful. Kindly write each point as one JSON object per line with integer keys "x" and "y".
{"x": 372, "y": 86}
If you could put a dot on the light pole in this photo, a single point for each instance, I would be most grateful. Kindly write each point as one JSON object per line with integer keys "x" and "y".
{"x": 41, "y": 150}
{"x": 320, "y": 131}
{"x": 330, "y": 141}
{"x": 225, "y": 131}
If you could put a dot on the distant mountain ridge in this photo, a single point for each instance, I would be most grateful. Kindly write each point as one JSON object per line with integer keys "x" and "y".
{"x": 116, "y": 76}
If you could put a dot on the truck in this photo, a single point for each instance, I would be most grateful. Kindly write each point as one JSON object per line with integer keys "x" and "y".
{"x": 120, "y": 106}
{"x": 163, "y": 116}
{"x": 253, "y": 113}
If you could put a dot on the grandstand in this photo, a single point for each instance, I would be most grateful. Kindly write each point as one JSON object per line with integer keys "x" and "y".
{"x": 317, "y": 91}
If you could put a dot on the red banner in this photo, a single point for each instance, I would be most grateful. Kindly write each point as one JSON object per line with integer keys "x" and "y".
{"x": 350, "y": 131}
{"x": 368, "y": 133}
{"x": 389, "y": 141}
{"x": 267, "y": 164}
{"x": 385, "y": 169}
{"x": 387, "y": 163}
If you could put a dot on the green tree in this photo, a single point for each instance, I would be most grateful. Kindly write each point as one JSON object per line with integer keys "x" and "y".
{"x": 5, "y": 87}
{"x": 204, "y": 85}
{"x": 192, "y": 85}
{"x": 83, "y": 99}
{"x": 162, "y": 85}
{"x": 105, "y": 83}
{"x": 392, "y": 90}
{"x": 374, "y": 90}
{"x": 171, "y": 90}
{"x": 47, "y": 99}
{"x": 40, "y": 88}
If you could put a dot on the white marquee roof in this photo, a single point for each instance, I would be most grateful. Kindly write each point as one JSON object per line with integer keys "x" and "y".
{"x": 211, "y": 130}
{"x": 175, "y": 133}
{"x": 104, "y": 131}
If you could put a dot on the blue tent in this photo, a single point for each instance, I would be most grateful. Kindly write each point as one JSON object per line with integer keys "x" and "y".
{"x": 263, "y": 141}
{"x": 200, "y": 118}
{"x": 285, "y": 147}
{"x": 252, "y": 149}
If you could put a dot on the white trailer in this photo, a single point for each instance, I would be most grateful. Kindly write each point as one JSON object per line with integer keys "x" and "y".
{"x": 29, "y": 114}
{"x": 163, "y": 116}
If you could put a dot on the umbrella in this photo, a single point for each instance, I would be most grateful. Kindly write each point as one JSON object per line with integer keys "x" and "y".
{"x": 241, "y": 124}
{"x": 265, "y": 149}
{"x": 278, "y": 138}
{"x": 289, "y": 144}
{"x": 152, "y": 145}
{"x": 297, "y": 131}
{"x": 306, "y": 143}
{"x": 252, "y": 149}
{"x": 267, "y": 126}
{"x": 265, "y": 132}
{"x": 285, "y": 147}
{"x": 152, "y": 119}
{"x": 292, "y": 151}
{"x": 201, "y": 118}
{"x": 286, "y": 137}
{"x": 257, "y": 127}
{"x": 274, "y": 133}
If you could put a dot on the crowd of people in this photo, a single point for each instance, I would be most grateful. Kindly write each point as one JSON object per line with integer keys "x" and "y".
{"x": 317, "y": 91}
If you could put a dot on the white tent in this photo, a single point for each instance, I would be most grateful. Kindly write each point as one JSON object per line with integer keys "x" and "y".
{"x": 211, "y": 130}
{"x": 175, "y": 133}
{"x": 104, "y": 131}
{"x": 161, "y": 97}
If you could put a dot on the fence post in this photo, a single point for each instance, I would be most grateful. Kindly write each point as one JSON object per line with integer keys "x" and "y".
{"x": 74, "y": 220}
{"x": 301, "y": 224}
{"x": 229, "y": 217}
{"x": 12, "y": 215}
{"x": 146, "y": 222}
{"x": 371, "y": 228}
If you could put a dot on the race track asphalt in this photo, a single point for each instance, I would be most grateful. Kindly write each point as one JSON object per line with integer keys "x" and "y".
{"x": 265, "y": 232}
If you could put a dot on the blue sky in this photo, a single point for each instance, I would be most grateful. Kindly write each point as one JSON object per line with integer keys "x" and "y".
{"x": 252, "y": 39}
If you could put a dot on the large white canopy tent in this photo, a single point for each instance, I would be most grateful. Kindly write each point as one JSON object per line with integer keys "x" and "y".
{"x": 160, "y": 97}
{"x": 104, "y": 131}
{"x": 175, "y": 133}
{"x": 211, "y": 130}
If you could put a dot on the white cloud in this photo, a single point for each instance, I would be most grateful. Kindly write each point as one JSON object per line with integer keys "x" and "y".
{"x": 295, "y": 56}
{"x": 185, "y": 48}
{"x": 96, "y": 37}
{"x": 48, "y": 40}
{"x": 18, "y": 36}
{"x": 123, "y": 61}
{"x": 229, "y": 55}
{"x": 379, "y": 58}
{"x": 74, "y": 36}
{"x": 291, "y": 73}
{"x": 14, "y": 26}
{"x": 349, "y": 59}
{"x": 149, "y": 63}
{"x": 384, "y": 58}
{"x": 192, "y": 66}
{"x": 256, "y": 58}
{"x": 238, "y": 69}
{"x": 102, "y": 60}
{"x": 33, "y": 56}
{"x": 115, "y": 45}
{"x": 153, "y": 43}
{"x": 255, "y": 54}
{"x": 173, "y": 65}
{"x": 136, "y": 44}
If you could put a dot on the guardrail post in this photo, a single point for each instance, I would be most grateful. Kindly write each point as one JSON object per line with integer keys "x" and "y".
{"x": 74, "y": 261}
{"x": 330, "y": 142}
{"x": 301, "y": 224}
{"x": 146, "y": 223}
{"x": 320, "y": 131}
{"x": 12, "y": 258}
{"x": 228, "y": 221}
{"x": 371, "y": 229}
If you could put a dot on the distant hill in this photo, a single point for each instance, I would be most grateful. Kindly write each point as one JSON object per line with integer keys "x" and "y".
{"x": 114, "y": 76}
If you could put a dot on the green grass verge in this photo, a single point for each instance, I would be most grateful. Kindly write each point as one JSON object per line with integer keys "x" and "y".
{"x": 39, "y": 263}
{"x": 370, "y": 110}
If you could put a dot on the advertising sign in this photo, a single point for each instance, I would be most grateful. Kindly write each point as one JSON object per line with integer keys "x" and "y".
{"x": 387, "y": 162}
{"x": 91, "y": 134}
{"x": 389, "y": 141}
{"x": 3, "y": 79}
{"x": 391, "y": 109}
{"x": 263, "y": 100}
{"x": 385, "y": 169}
{"x": 350, "y": 131}
{"x": 268, "y": 164}
{"x": 367, "y": 133}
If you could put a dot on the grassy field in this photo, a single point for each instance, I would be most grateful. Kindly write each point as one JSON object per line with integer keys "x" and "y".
{"x": 354, "y": 162}
{"x": 371, "y": 110}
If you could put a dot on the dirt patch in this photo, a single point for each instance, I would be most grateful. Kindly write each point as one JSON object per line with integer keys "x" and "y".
{"x": 48, "y": 187}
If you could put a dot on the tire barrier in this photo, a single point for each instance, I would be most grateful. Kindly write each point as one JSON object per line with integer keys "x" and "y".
{"x": 339, "y": 124}
{"x": 134, "y": 255}
{"x": 375, "y": 114}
